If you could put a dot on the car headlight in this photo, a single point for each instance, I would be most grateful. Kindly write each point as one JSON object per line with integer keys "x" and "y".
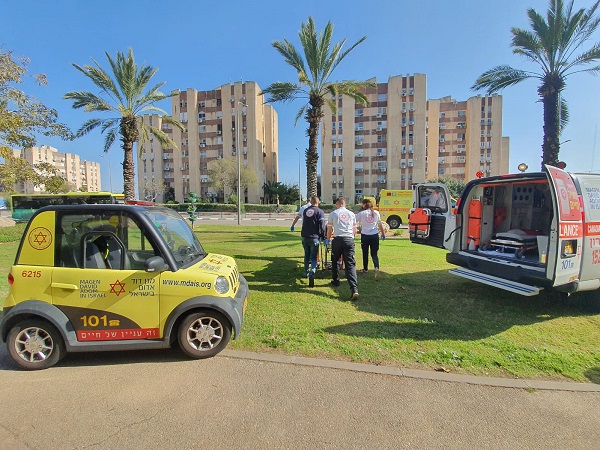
{"x": 222, "y": 285}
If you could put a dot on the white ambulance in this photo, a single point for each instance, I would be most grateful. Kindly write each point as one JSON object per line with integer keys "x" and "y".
{"x": 522, "y": 233}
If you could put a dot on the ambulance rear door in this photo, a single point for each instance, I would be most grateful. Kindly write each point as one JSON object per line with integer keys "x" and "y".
{"x": 566, "y": 232}
{"x": 431, "y": 220}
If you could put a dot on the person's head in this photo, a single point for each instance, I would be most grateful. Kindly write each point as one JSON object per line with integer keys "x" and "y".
{"x": 340, "y": 202}
{"x": 367, "y": 204}
{"x": 314, "y": 200}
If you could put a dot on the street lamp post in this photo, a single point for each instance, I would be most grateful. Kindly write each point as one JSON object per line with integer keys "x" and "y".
{"x": 299, "y": 180}
{"x": 238, "y": 150}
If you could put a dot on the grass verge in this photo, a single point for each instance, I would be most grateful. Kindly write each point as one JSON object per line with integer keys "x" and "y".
{"x": 417, "y": 315}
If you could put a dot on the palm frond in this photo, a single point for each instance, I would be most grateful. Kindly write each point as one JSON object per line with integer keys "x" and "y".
{"x": 344, "y": 54}
{"x": 499, "y": 77}
{"x": 300, "y": 113}
{"x": 110, "y": 138}
{"x": 281, "y": 92}
{"x": 564, "y": 115}
{"x": 170, "y": 120}
{"x": 88, "y": 101}
{"x": 588, "y": 57}
{"x": 88, "y": 126}
{"x": 291, "y": 55}
{"x": 109, "y": 123}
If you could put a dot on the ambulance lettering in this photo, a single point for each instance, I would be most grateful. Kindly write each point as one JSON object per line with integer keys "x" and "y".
{"x": 571, "y": 230}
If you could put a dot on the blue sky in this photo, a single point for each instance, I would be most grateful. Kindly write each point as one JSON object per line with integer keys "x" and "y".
{"x": 203, "y": 44}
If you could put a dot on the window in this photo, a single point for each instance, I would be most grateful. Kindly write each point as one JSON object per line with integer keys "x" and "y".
{"x": 359, "y": 126}
{"x": 461, "y": 136}
{"x": 441, "y": 160}
{"x": 381, "y": 152}
{"x": 442, "y": 115}
{"x": 340, "y": 125}
{"x": 201, "y": 117}
{"x": 333, "y": 126}
{"x": 358, "y": 113}
{"x": 201, "y": 104}
{"x": 462, "y": 114}
{"x": 461, "y": 148}
{"x": 382, "y": 97}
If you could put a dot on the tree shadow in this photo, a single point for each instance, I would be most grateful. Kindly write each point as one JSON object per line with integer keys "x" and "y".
{"x": 435, "y": 305}
{"x": 593, "y": 375}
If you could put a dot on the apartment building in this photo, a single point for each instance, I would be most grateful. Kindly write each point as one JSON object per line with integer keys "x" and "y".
{"x": 75, "y": 171}
{"x": 218, "y": 124}
{"x": 465, "y": 137}
{"x": 381, "y": 145}
{"x": 400, "y": 138}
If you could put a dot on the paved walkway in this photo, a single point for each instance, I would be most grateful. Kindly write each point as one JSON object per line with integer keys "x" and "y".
{"x": 416, "y": 373}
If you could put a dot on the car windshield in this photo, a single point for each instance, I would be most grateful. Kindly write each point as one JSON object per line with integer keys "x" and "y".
{"x": 177, "y": 234}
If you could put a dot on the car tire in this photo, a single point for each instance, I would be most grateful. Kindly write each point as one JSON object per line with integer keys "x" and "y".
{"x": 204, "y": 334}
{"x": 394, "y": 222}
{"x": 35, "y": 344}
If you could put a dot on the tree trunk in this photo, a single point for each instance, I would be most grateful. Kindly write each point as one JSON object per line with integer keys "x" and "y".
{"x": 549, "y": 92}
{"x": 129, "y": 134}
{"x": 314, "y": 114}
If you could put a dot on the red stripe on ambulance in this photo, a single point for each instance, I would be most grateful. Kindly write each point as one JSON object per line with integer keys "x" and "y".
{"x": 592, "y": 229}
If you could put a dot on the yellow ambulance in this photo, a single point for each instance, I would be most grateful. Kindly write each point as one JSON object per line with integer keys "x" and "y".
{"x": 394, "y": 206}
{"x": 117, "y": 277}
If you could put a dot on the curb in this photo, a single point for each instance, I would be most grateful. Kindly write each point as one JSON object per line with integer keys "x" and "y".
{"x": 416, "y": 373}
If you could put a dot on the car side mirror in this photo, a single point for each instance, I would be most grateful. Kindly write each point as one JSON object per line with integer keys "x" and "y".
{"x": 155, "y": 264}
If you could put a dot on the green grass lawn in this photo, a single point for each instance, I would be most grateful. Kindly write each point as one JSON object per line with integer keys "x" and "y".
{"x": 417, "y": 315}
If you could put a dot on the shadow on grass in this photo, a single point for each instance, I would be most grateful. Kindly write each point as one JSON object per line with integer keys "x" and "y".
{"x": 593, "y": 375}
{"x": 420, "y": 304}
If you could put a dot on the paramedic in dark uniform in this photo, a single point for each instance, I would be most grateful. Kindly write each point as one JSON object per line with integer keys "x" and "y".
{"x": 341, "y": 227}
{"x": 313, "y": 230}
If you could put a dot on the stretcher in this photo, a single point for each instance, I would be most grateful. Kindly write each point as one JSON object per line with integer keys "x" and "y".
{"x": 513, "y": 241}
{"x": 324, "y": 257}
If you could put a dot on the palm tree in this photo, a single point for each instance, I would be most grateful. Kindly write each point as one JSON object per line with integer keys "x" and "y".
{"x": 314, "y": 72}
{"x": 551, "y": 44}
{"x": 123, "y": 95}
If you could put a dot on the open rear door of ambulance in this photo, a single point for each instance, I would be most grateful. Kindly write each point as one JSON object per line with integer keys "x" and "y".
{"x": 566, "y": 237}
{"x": 431, "y": 220}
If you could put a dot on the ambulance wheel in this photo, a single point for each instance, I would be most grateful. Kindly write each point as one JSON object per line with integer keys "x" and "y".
{"x": 204, "y": 334}
{"x": 394, "y": 222}
{"x": 35, "y": 344}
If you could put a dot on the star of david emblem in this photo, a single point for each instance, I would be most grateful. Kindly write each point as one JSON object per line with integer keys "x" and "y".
{"x": 117, "y": 288}
{"x": 216, "y": 261}
{"x": 40, "y": 238}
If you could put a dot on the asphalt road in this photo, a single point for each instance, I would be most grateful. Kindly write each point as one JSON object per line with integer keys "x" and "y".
{"x": 156, "y": 400}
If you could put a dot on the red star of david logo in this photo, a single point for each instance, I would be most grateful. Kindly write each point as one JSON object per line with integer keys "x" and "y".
{"x": 40, "y": 238}
{"x": 117, "y": 288}
{"x": 216, "y": 261}
{"x": 396, "y": 202}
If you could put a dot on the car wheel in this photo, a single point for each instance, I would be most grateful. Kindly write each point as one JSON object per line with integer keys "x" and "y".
{"x": 393, "y": 222}
{"x": 35, "y": 344}
{"x": 204, "y": 334}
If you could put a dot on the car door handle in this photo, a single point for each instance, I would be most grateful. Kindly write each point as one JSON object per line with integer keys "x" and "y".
{"x": 72, "y": 287}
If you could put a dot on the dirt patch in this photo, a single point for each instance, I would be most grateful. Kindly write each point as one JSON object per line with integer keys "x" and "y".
{"x": 6, "y": 222}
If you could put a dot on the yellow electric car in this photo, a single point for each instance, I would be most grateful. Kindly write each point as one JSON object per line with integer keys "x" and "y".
{"x": 117, "y": 277}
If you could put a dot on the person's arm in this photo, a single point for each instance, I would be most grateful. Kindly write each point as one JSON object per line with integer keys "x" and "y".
{"x": 294, "y": 222}
{"x": 329, "y": 231}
